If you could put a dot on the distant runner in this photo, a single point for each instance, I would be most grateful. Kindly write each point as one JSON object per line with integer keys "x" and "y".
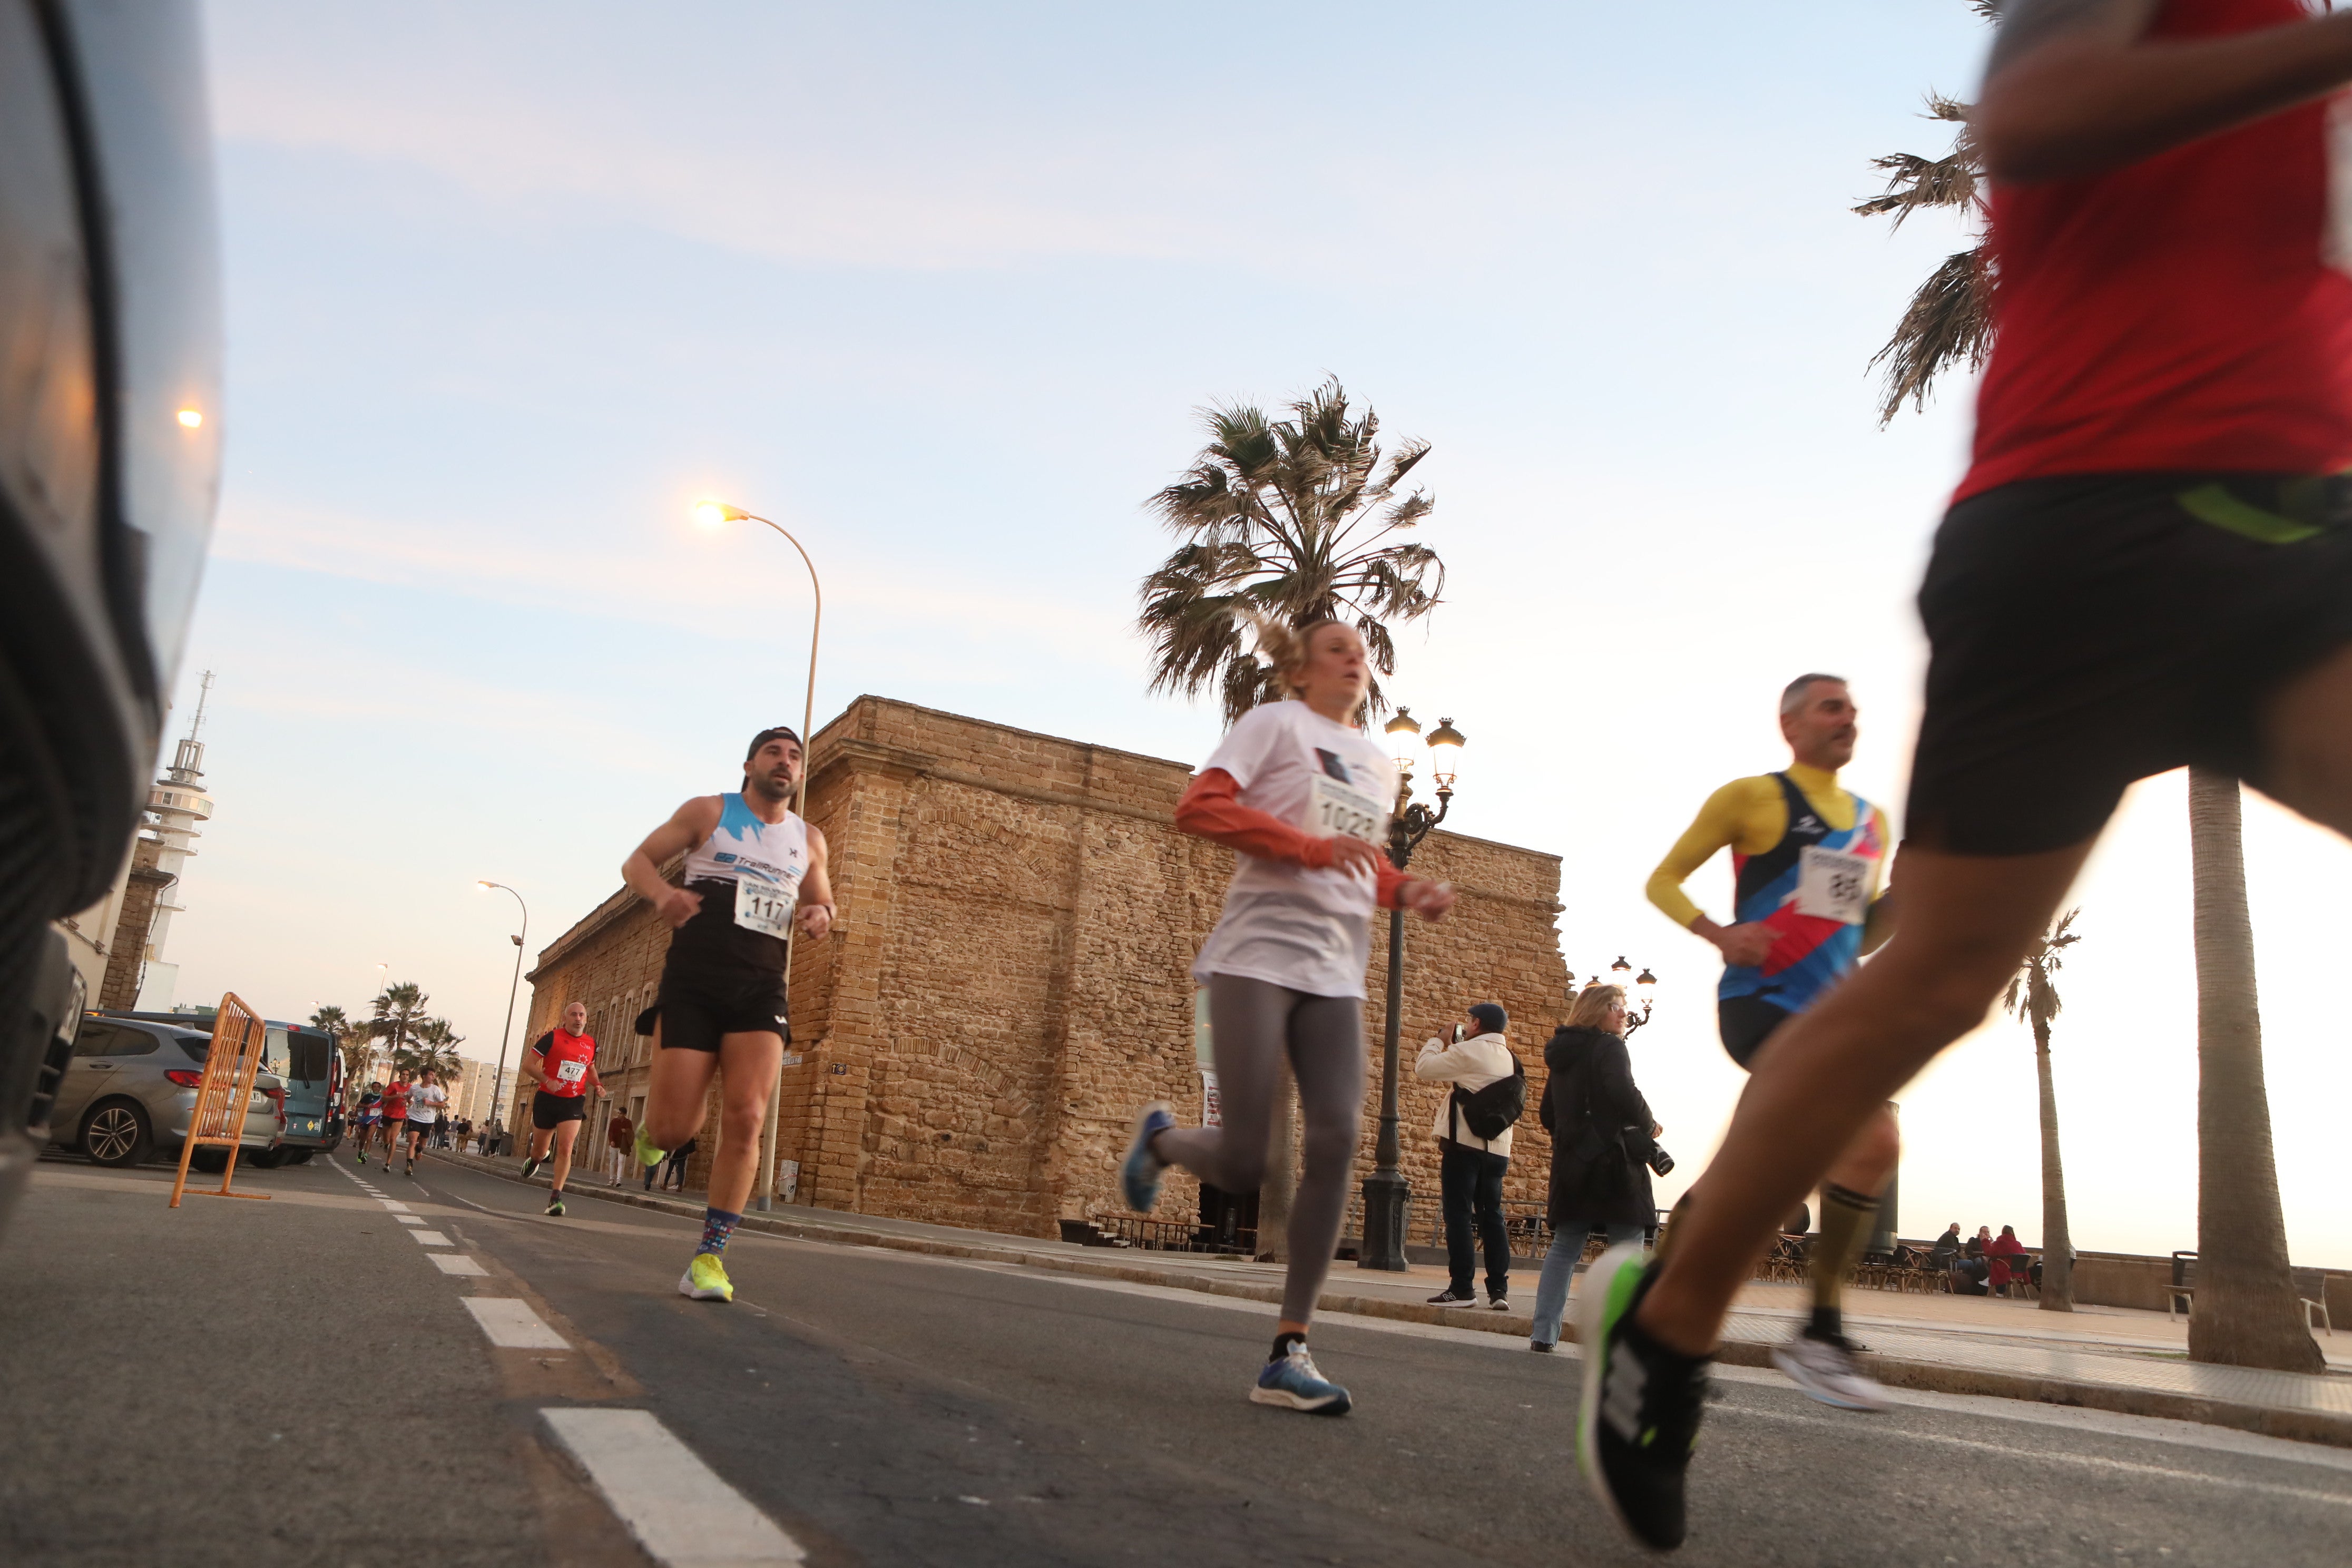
{"x": 1807, "y": 857}
{"x": 563, "y": 1063}
{"x": 2148, "y": 565}
{"x": 752, "y": 868}
{"x": 395, "y": 1114}
{"x": 1303, "y": 798}
{"x": 425, "y": 1103}
{"x": 365, "y": 1117}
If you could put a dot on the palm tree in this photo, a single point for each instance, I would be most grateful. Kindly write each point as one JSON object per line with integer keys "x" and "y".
{"x": 1295, "y": 520}
{"x": 2246, "y": 1313}
{"x": 398, "y": 1010}
{"x": 435, "y": 1047}
{"x": 2241, "y": 1266}
{"x": 2032, "y": 996}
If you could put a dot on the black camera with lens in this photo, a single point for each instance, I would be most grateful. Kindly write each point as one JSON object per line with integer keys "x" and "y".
{"x": 1641, "y": 1146}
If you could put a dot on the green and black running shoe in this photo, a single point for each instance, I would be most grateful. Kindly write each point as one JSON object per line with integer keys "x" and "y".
{"x": 647, "y": 1155}
{"x": 531, "y": 1165}
{"x": 1639, "y": 1414}
{"x": 555, "y": 1205}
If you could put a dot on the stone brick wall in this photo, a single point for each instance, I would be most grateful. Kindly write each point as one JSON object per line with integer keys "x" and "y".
{"x": 126, "y": 958}
{"x": 1008, "y": 975}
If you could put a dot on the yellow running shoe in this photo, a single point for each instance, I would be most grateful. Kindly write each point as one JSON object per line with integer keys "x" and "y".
{"x": 646, "y": 1154}
{"x": 706, "y": 1279}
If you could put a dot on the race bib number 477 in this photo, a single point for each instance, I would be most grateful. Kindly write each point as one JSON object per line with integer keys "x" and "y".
{"x": 764, "y": 906}
{"x": 1833, "y": 885}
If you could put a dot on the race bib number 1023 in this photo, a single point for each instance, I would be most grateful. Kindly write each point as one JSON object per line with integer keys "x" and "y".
{"x": 764, "y": 906}
{"x": 1339, "y": 810}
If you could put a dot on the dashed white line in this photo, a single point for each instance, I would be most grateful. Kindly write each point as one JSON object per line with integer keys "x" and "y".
{"x": 680, "y": 1510}
{"x": 456, "y": 1263}
{"x": 428, "y": 1237}
{"x": 512, "y": 1325}
{"x": 407, "y": 1219}
{"x": 394, "y": 1208}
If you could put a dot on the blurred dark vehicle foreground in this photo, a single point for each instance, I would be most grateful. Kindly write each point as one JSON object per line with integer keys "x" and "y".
{"x": 110, "y": 441}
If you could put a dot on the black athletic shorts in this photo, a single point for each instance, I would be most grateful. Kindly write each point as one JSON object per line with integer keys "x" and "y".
{"x": 696, "y": 1010}
{"x": 1746, "y": 1022}
{"x": 549, "y": 1111}
{"x": 2090, "y": 631}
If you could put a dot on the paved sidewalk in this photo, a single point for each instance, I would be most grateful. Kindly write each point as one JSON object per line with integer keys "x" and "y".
{"x": 2102, "y": 1358}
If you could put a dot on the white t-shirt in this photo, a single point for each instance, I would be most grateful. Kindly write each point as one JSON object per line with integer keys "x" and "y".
{"x": 424, "y": 1102}
{"x": 1306, "y": 929}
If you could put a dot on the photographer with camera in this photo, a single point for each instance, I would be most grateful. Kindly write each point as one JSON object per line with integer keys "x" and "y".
{"x": 1488, "y": 1096}
{"x": 1603, "y": 1147}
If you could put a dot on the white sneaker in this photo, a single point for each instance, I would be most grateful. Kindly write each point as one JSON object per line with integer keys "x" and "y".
{"x": 1826, "y": 1369}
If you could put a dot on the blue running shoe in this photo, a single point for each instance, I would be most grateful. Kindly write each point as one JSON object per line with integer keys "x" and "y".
{"x": 1639, "y": 1414}
{"x": 1293, "y": 1384}
{"x": 1139, "y": 1178}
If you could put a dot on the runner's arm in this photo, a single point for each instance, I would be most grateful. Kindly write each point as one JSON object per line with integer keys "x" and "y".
{"x": 641, "y": 872}
{"x": 1878, "y": 923}
{"x": 527, "y": 1071}
{"x": 2076, "y": 87}
{"x": 1211, "y": 809}
{"x": 1739, "y": 812}
{"x": 816, "y": 889}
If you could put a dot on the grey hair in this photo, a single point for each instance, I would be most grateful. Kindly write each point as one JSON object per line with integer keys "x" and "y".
{"x": 1793, "y": 696}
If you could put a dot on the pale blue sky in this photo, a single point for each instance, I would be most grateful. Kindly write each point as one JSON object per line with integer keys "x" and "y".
{"x": 941, "y": 287}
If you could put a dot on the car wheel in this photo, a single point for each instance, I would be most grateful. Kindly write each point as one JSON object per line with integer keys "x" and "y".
{"x": 263, "y": 1159}
{"x": 116, "y": 1133}
{"x": 300, "y": 1157}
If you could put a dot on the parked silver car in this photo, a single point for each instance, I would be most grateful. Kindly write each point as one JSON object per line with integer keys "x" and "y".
{"x": 130, "y": 1088}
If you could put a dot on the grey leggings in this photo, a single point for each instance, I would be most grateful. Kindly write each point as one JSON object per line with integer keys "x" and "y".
{"x": 1254, "y": 1022}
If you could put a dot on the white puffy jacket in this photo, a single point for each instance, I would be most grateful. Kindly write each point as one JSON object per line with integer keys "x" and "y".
{"x": 1473, "y": 1064}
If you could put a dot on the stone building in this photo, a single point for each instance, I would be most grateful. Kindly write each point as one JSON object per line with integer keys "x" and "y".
{"x": 1007, "y": 978}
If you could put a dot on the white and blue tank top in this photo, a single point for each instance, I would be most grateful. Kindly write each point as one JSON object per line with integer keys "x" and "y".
{"x": 749, "y": 874}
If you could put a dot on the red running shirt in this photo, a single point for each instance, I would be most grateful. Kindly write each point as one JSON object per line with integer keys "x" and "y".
{"x": 395, "y": 1102}
{"x": 2189, "y": 312}
{"x": 566, "y": 1066}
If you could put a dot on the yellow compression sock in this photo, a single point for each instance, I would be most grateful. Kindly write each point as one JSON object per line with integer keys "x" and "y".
{"x": 1846, "y": 1217}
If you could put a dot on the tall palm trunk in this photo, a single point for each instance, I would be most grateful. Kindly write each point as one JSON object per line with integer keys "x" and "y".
{"x": 2245, "y": 1312}
{"x": 2057, "y": 1242}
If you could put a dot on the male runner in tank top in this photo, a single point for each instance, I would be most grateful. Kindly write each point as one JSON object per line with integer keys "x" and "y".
{"x": 752, "y": 869}
{"x": 1808, "y": 858}
{"x": 563, "y": 1063}
{"x": 2149, "y": 563}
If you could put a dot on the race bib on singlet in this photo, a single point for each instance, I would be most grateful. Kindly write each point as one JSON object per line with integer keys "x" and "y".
{"x": 1833, "y": 885}
{"x": 571, "y": 1072}
{"x": 763, "y": 907}
{"x": 1335, "y": 809}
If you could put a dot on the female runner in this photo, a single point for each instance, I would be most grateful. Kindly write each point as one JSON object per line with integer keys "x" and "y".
{"x": 1303, "y": 796}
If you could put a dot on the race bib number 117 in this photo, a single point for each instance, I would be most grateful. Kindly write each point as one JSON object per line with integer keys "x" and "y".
{"x": 763, "y": 907}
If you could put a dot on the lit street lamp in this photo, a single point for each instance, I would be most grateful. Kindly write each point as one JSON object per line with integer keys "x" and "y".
{"x": 498, "y": 1081}
{"x": 1386, "y": 1191}
{"x": 717, "y": 514}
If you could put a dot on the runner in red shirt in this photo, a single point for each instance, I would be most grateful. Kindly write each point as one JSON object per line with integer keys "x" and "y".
{"x": 395, "y": 1116}
{"x": 563, "y": 1062}
{"x": 2148, "y": 565}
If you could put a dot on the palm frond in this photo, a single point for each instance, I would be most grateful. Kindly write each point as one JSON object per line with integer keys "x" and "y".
{"x": 1950, "y": 321}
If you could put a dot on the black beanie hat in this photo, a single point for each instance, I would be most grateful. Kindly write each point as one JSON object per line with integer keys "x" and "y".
{"x": 1491, "y": 1018}
{"x": 773, "y": 733}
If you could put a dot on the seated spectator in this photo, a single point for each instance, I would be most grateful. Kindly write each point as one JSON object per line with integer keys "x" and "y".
{"x": 1947, "y": 1250}
{"x": 1969, "y": 1273}
{"x": 1998, "y": 1251}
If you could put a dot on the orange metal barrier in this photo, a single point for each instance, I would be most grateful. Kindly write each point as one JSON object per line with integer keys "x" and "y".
{"x": 224, "y": 1093}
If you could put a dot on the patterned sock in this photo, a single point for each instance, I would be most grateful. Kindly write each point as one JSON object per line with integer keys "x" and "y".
{"x": 718, "y": 1225}
{"x": 1846, "y": 1217}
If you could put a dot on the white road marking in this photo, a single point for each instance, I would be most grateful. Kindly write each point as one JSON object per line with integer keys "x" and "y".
{"x": 511, "y": 1324}
{"x": 2054, "y": 1457}
{"x": 428, "y": 1237}
{"x": 677, "y": 1506}
{"x": 456, "y": 1263}
{"x": 407, "y": 1219}
{"x": 396, "y": 1208}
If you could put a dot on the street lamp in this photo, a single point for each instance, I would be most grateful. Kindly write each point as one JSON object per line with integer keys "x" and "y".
{"x": 718, "y": 514}
{"x": 498, "y": 1081}
{"x": 1386, "y": 1191}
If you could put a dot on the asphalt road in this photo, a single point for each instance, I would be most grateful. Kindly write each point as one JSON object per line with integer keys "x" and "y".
{"x": 297, "y": 1383}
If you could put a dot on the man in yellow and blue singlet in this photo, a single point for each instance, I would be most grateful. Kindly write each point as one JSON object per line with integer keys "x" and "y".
{"x": 1808, "y": 857}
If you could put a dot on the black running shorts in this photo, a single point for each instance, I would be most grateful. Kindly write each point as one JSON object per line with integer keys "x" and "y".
{"x": 549, "y": 1111}
{"x": 1746, "y": 1022}
{"x": 696, "y": 1011}
{"x": 2090, "y": 631}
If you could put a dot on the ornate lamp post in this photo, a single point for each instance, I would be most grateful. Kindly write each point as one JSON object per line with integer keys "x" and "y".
{"x": 1386, "y": 1191}
{"x": 1644, "y": 990}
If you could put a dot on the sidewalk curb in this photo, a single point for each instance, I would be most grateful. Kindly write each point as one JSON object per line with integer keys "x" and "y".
{"x": 2298, "y": 1425}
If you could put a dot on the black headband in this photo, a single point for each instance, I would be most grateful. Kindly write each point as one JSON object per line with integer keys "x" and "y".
{"x": 775, "y": 732}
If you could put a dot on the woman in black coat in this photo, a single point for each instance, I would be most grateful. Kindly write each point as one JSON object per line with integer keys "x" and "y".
{"x": 1589, "y": 1099}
